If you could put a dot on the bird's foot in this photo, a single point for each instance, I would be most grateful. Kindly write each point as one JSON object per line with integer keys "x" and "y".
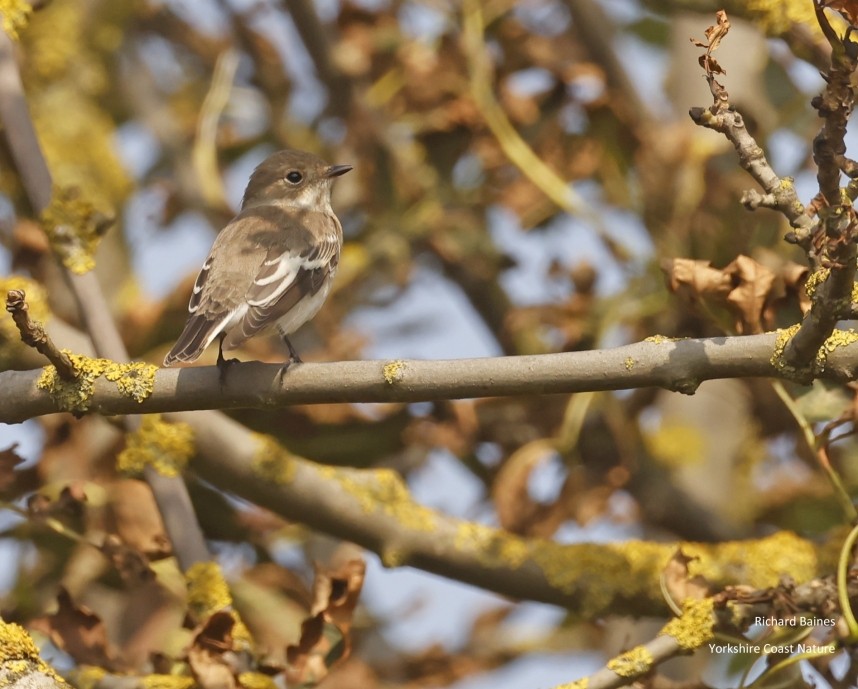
{"x": 223, "y": 365}
{"x": 293, "y": 359}
{"x": 293, "y": 354}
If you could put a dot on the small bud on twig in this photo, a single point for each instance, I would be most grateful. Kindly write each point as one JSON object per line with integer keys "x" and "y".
{"x": 34, "y": 335}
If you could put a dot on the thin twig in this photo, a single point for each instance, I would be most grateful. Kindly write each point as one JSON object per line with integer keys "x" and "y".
{"x": 34, "y": 335}
{"x": 820, "y": 450}
{"x": 204, "y": 151}
{"x": 516, "y": 149}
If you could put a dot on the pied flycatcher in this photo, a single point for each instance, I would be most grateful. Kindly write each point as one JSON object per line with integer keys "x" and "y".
{"x": 273, "y": 264}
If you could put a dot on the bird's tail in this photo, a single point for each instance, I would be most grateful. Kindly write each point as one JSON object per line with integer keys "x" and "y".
{"x": 198, "y": 334}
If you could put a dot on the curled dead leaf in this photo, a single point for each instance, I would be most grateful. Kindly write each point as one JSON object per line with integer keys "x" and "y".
{"x": 745, "y": 287}
{"x": 679, "y": 584}
{"x": 9, "y": 459}
{"x": 324, "y": 638}
{"x": 210, "y": 656}
{"x": 748, "y": 298}
{"x": 79, "y": 632}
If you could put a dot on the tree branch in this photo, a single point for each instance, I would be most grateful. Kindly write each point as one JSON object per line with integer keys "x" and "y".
{"x": 678, "y": 365}
{"x": 170, "y": 492}
{"x": 374, "y": 509}
{"x": 834, "y": 239}
{"x": 829, "y": 241}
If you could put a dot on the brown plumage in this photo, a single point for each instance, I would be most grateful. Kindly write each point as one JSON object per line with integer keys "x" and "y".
{"x": 273, "y": 264}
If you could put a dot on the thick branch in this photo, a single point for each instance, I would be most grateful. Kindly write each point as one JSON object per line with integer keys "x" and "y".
{"x": 679, "y": 365}
{"x": 372, "y": 508}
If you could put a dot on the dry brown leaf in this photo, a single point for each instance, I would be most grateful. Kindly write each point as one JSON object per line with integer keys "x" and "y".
{"x": 318, "y": 650}
{"x": 753, "y": 289}
{"x": 510, "y": 495}
{"x": 9, "y": 459}
{"x": 715, "y": 33}
{"x": 714, "y": 36}
{"x": 79, "y": 632}
{"x": 69, "y": 504}
{"x": 324, "y": 638}
{"x": 680, "y": 585}
{"x": 208, "y": 655}
{"x": 134, "y": 517}
{"x": 336, "y": 592}
{"x": 132, "y": 565}
{"x": 695, "y": 279}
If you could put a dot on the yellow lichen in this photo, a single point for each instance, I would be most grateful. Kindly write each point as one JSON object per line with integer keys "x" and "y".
{"x": 759, "y": 563}
{"x": 382, "y": 490}
{"x": 629, "y": 363}
{"x": 166, "y": 682}
{"x": 634, "y": 663}
{"x": 659, "y": 339}
{"x": 577, "y": 684}
{"x": 74, "y": 228}
{"x": 393, "y": 371}
{"x": 814, "y": 280}
{"x": 207, "y": 589}
{"x": 784, "y": 335}
{"x": 603, "y": 574}
{"x": 73, "y": 395}
{"x": 839, "y": 338}
{"x": 68, "y": 70}
{"x": 393, "y": 556}
{"x": 778, "y": 17}
{"x": 208, "y": 593}
{"x": 167, "y": 447}
{"x": 15, "y": 15}
{"x": 88, "y": 676}
{"x": 696, "y": 625}
{"x": 19, "y": 655}
{"x": 675, "y": 444}
{"x": 256, "y": 680}
{"x": 133, "y": 380}
{"x": 605, "y": 578}
{"x": 16, "y": 643}
{"x": 50, "y": 51}
{"x": 271, "y": 461}
{"x": 493, "y": 547}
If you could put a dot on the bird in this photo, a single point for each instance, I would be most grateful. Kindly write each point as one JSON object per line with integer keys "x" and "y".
{"x": 273, "y": 264}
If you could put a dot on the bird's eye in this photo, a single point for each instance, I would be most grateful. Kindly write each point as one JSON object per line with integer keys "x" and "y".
{"x": 294, "y": 177}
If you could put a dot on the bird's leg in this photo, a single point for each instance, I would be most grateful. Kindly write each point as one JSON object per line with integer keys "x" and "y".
{"x": 293, "y": 358}
{"x": 293, "y": 355}
{"x": 222, "y": 363}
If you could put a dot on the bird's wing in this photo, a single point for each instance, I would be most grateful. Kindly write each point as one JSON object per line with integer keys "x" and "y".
{"x": 218, "y": 294}
{"x": 285, "y": 277}
{"x": 211, "y": 308}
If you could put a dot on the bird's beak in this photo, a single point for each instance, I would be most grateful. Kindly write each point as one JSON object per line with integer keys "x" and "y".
{"x": 337, "y": 170}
